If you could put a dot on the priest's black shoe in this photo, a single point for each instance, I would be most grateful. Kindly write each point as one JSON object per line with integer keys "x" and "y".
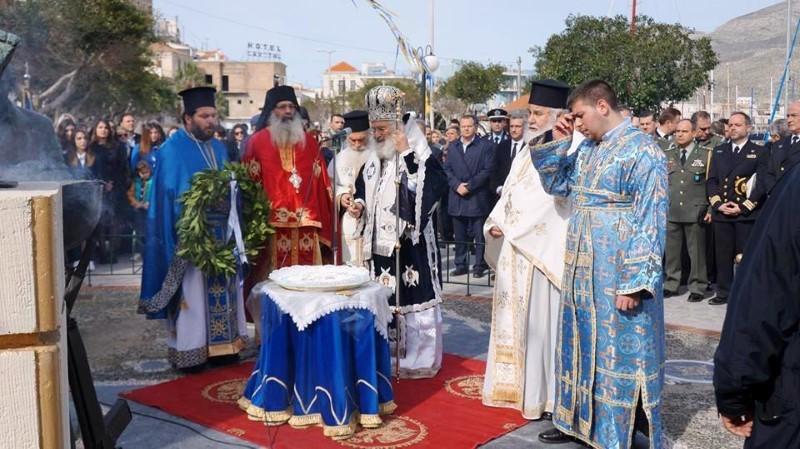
{"x": 554, "y": 436}
{"x": 459, "y": 271}
{"x": 194, "y": 369}
{"x": 546, "y": 416}
{"x": 224, "y": 360}
{"x": 717, "y": 301}
{"x": 670, "y": 293}
{"x": 695, "y": 297}
{"x": 478, "y": 273}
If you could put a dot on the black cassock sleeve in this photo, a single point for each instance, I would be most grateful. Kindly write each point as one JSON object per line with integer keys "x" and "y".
{"x": 762, "y": 316}
{"x": 433, "y": 187}
{"x": 360, "y": 186}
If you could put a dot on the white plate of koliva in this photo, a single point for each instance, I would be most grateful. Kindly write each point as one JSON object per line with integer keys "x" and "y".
{"x": 320, "y": 277}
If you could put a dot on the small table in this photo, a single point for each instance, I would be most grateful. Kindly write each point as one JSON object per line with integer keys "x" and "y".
{"x": 324, "y": 358}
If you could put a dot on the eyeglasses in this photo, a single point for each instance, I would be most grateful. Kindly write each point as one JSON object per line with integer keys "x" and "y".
{"x": 238, "y": 133}
{"x": 290, "y": 106}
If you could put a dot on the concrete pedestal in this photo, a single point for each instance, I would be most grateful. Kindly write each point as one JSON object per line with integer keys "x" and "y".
{"x": 33, "y": 356}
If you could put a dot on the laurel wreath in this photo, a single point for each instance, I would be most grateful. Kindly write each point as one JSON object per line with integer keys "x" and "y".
{"x": 210, "y": 189}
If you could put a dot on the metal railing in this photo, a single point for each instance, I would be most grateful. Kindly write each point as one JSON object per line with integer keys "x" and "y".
{"x": 120, "y": 255}
{"x": 447, "y": 248}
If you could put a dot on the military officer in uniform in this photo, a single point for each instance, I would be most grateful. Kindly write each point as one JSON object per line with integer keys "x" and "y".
{"x": 498, "y": 120}
{"x": 703, "y": 135}
{"x": 733, "y": 210}
{"x": 688, "y": 208}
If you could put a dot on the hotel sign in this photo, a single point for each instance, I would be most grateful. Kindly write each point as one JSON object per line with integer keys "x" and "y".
{"x": 264, "y": 51}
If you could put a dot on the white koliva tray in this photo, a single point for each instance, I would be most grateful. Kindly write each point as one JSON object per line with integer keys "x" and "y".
{"x": 320, "y": 277}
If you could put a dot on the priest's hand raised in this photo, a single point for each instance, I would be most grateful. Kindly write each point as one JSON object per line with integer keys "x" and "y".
{"x": 564, "y": 126}
{"x": 400, "y": 141}
{"x": 355, "y": 209}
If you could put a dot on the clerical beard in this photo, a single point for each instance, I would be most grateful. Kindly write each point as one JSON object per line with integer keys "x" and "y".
{"x": 287, "y": 132}
{"x": 531, "y": 134}
{"x": 386, "y": 149}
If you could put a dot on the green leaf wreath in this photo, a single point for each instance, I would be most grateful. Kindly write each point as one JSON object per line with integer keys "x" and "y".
{"x": 211, "y": 188}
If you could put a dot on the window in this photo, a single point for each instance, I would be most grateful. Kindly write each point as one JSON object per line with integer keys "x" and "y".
{"x": 341, "y": 87}
{"x": 238, "y": 101}
{"x": 224, "y": 83}
{"x": 352, "y": 85}
{"x": 209, "y": 79}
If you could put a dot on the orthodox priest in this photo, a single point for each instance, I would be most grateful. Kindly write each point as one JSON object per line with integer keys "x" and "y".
{"x": 418, "y": 323}
{"x": 525, "y": 237}
{"x": 358, "y": 148}
{"x": 172, "y": 288}
{"x": 289, "y": 165}
{"x": 610, "y": 363}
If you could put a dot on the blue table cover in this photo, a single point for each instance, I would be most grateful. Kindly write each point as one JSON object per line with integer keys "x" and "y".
{"x": 337, "y": 372}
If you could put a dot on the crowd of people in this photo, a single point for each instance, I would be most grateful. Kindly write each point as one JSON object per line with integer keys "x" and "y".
{"x": 123, "y": 156}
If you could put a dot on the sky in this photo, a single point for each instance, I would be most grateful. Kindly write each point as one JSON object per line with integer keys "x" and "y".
{"x": 487, "y": 31}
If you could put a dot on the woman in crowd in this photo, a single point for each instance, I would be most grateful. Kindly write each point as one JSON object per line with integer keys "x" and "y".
{"x": 65, "y": 130}
{"x": 234, "y": 142}
{"x": 112, "y": 156}
{"x": 152, "y": 138}
{"x": 83, "y": 164}
{"x": 80, "y": 157}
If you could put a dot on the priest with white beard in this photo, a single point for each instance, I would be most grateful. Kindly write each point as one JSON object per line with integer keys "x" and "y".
{"x": 525, "y": 244}
{"x": 418, "y": 324}
{"x": 359, "y": 147}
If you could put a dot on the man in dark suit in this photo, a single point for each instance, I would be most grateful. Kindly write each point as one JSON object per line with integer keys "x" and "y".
{"x": 733, "y": 209}
{"x": 507, "y": 150}
{"x": 781, "y": 155}
{"x": 757, "y": 362}
{"x": 497, "y": 122}
{"x": 469, "y": 166}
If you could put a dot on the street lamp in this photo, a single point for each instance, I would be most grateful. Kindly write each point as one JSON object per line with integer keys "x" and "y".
{"x": 432, "y": 62}
{"x": 424, "y": 65}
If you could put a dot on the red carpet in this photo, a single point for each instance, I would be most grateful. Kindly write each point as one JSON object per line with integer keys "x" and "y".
{"x": 440, "y": 413}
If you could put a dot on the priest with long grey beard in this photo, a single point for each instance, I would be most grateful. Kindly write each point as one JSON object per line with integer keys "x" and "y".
{"x": 359, "y": 147}
{"x": 417, "y": 328}
{"x": 525, "y": 243}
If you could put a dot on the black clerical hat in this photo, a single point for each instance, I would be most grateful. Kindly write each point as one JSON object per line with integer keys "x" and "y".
{"x": 497, "y": 113}
{"x": 198, "y": 97}
{"x": 276, "y": 95}
{"x": 549, "y": 93}
{"x": 357, "y": 121}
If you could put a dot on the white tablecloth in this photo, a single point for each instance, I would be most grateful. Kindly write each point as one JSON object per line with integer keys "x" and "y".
{"x": 306, "y": 307}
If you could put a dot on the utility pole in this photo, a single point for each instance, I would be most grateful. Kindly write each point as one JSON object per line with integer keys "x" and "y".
{"x": 633, "y": 17}
{"x": 788, "y": 52}
{"x": 728, "y": 67}
{"x": 519, "y": 76}
{"x": 713, "y": 87}
{"x": 328, "y": 69}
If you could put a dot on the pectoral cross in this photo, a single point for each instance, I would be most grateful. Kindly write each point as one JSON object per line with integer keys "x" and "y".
{"x": 295, "y": 180}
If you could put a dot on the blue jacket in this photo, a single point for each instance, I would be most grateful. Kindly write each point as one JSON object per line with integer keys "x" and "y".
{"x": 475, "y": 168}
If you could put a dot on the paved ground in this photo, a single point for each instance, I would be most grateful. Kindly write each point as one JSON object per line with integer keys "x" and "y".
{"x": 127, "y": 351}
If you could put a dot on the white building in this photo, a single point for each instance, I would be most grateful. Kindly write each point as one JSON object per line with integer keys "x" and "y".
{"x": 343, "y": 77}
{"x": 513, "y": 83}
